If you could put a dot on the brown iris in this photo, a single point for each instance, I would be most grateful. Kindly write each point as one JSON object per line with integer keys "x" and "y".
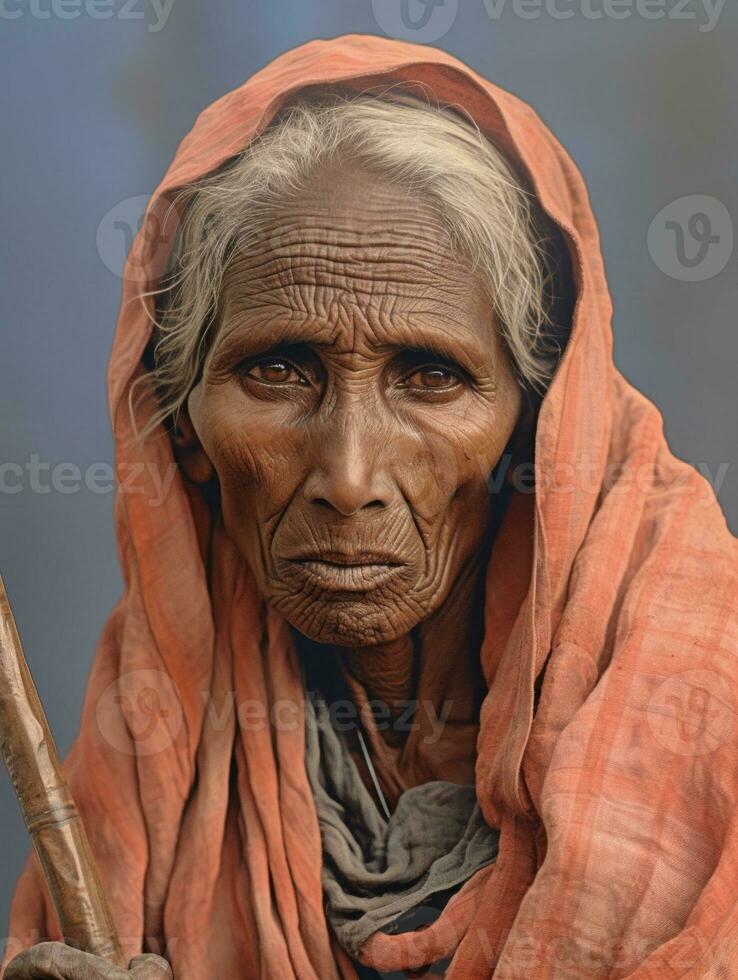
{"x": 433, "y": 378}
{"x": 276, "y": 371}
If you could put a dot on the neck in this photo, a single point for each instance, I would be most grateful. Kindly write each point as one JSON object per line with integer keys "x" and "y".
{"x": 387, "y": 672}
{"x": 440, "y": 654}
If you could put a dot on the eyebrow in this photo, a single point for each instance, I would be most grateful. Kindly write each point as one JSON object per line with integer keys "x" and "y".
{"x": 248, "y": 335}
{"x": 458, "y": 350}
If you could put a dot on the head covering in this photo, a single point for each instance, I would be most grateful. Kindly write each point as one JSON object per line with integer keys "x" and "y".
{"x": 608, "y": 739}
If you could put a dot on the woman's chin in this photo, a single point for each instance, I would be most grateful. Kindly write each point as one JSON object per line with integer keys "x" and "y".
{"x": 352, "y": 622}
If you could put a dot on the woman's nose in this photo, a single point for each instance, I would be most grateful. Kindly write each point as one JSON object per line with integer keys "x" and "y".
{"x": 350, "y": 475}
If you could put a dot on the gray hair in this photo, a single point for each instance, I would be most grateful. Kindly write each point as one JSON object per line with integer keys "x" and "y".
{"x": 433, "y": 151}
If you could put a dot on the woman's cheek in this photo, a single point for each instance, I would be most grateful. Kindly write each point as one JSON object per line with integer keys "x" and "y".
{"x": 465, "y": 451}
{"x": 253, "y": 465}
{"x": 237, "y": 432}
{"x": 257, "y": 460}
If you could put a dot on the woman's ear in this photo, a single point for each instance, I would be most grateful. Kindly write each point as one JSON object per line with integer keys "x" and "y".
{"x": 188, "y": 451}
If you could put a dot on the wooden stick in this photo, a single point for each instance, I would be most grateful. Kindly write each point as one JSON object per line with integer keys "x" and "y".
{"x": 49, "y": 811}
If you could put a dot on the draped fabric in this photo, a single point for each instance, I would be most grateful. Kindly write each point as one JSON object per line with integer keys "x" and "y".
{"x": 378, "y": 873}
{"x": 608, "y": 738}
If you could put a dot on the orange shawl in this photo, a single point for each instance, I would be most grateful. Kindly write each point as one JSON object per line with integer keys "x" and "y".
{"x": 608, "y": 741}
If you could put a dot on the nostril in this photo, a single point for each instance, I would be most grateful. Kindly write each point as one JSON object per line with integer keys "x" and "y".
{"x": 326, "y": 504}
{"x": 348, "y": 489}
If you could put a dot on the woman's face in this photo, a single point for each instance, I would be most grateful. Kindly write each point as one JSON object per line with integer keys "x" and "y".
{"x": 353, "y": 403}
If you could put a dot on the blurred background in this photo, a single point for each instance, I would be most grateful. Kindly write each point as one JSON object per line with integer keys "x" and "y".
{"x": 98, "y": 93}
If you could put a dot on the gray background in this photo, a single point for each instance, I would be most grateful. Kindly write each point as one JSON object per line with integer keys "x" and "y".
{"x": 93, "y": 111}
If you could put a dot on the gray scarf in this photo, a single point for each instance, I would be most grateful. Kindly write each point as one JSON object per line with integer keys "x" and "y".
{"x": 376, "y": 870}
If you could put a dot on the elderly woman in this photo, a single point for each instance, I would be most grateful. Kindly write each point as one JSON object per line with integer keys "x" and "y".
{"x": 426, "y": 659}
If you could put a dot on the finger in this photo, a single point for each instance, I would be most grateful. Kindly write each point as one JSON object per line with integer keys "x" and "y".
{"x": 149, "y": 966}
{"x": 57, "y": 961}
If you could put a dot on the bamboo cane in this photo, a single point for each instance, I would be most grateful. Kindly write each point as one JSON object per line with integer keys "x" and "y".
{"x": 49, "y": 811}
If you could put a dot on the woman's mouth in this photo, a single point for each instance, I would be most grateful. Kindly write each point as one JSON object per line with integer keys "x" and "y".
{"x": 342, "y": 574}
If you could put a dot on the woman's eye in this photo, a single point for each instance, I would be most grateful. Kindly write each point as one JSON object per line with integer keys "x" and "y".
{"x": 432, "y": 378}
{"x": 276, "y": 371}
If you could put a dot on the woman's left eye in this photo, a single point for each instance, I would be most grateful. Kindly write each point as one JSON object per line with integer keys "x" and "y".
{"x": 434, "y": 377}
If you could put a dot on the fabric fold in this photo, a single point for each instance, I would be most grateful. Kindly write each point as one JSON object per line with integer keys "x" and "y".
{"x": 376, "y": 871}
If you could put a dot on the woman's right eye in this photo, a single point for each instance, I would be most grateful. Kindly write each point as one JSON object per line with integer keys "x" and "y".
{"x": 276, "y": 371}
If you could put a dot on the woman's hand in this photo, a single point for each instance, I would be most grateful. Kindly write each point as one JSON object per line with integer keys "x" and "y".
{"x": 56, "y": 961}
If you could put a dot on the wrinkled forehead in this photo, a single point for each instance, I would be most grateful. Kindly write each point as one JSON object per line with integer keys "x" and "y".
{"x": 356, "y": 260}
{"x": 349, "y": 228}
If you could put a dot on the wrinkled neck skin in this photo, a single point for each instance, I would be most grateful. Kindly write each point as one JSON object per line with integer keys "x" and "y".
{"x": 437, "y": 661}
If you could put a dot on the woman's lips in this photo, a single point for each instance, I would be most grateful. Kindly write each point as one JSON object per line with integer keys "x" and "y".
{"x": 344, "y": 575}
